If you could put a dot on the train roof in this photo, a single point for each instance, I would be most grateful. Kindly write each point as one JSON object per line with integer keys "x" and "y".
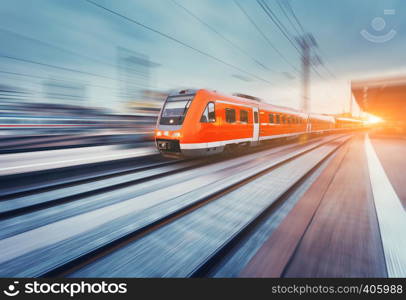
{"x": 284, "y": 110}
{"x": 261, "y": 104}
{"x": 247, "y": 99}
{"x": 321, "y": 117}
{"x": 182, "y": 92}
{"x": 348, "y": 120}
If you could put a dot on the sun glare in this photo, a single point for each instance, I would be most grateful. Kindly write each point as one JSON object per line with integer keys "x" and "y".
{"x": 371, "y": 119}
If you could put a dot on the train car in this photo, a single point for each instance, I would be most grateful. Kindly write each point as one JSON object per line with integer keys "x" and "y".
{"x": 280, "y": 122}
{"x": 319, "y": 123}
{"x": 203, "y": 122}
{"x": 348, "y": 123}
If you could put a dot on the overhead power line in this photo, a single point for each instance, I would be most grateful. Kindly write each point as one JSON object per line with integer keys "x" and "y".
{"x": 189, "y": 12}
{"x": 288, "y": 18}
{"x": 62, "y": 68}
{"x": 292, "y": 40}
{"x": 268, "y": 11}
{"x": 48, "y": 78}
{"x": 55, "y": 67}
{"x": 58, "y": 48}
{"x": 287, "y": 3}
{"x": 172, "y": 38}
{"x": 264, "y": 36}
{"x": 293, "y": 14}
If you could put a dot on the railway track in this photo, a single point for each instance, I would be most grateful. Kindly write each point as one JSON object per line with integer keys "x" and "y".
{"x": 40, "y": 198}
{"x": 35, "y": 182}
{"x": 198, "y": 236}
{"x": 35, "y": 190}
{"x": 73, "y": 234}
{"x": 20, "y": 212}
{"x": 24, "y": 183}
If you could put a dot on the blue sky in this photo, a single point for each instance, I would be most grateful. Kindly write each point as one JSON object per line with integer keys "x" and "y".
{"x": 79, "y": 42}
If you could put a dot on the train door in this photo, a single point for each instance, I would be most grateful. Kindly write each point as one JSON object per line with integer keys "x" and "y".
{"x": 309, "y": 125}
{"x": 255, "y": 134}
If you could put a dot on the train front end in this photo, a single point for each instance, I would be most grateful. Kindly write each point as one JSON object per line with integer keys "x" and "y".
{"x": 169, "y": 131}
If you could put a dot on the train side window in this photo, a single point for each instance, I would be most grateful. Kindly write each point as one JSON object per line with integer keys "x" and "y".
{"x": 230, "y": 115}
{"x": 209, "y": 114}
{"x": 278, "y": 119}
{"x": 244, "y": 116}
{"x": 283, "y": 119}
{"x": 271, "y": 118}
{"x": 255, "y": 117}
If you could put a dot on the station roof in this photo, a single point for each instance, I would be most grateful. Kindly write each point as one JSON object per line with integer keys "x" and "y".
{"x": 383, "y": 97}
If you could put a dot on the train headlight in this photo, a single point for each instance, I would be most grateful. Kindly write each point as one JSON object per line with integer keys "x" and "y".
{"x": 176, "y": 135}
{"x": 158, "y": 133}
{"x": 166, "y": 133}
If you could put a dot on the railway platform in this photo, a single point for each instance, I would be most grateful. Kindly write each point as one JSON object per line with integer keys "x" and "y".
{"x": 339, "y": 227}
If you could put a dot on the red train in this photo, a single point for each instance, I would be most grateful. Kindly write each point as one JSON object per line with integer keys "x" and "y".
{"x": 203, "y": 122}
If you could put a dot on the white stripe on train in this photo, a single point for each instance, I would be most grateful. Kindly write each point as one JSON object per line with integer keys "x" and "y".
{"x": 189, "y": 146}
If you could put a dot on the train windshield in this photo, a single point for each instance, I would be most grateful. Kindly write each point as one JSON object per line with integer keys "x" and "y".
{"x": 175, "y": 110}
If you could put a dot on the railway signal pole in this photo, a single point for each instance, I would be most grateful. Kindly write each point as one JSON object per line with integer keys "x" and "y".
{"x": 306, "y": 42}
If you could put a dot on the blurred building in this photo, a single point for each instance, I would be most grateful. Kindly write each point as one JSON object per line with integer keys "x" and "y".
{"x": 10, "y": 93}
{"x": 149, "y": 104}
{"x": 385, "y": 98}
{"x": 134, "y": 73}
{"x": 67, "y": 92}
